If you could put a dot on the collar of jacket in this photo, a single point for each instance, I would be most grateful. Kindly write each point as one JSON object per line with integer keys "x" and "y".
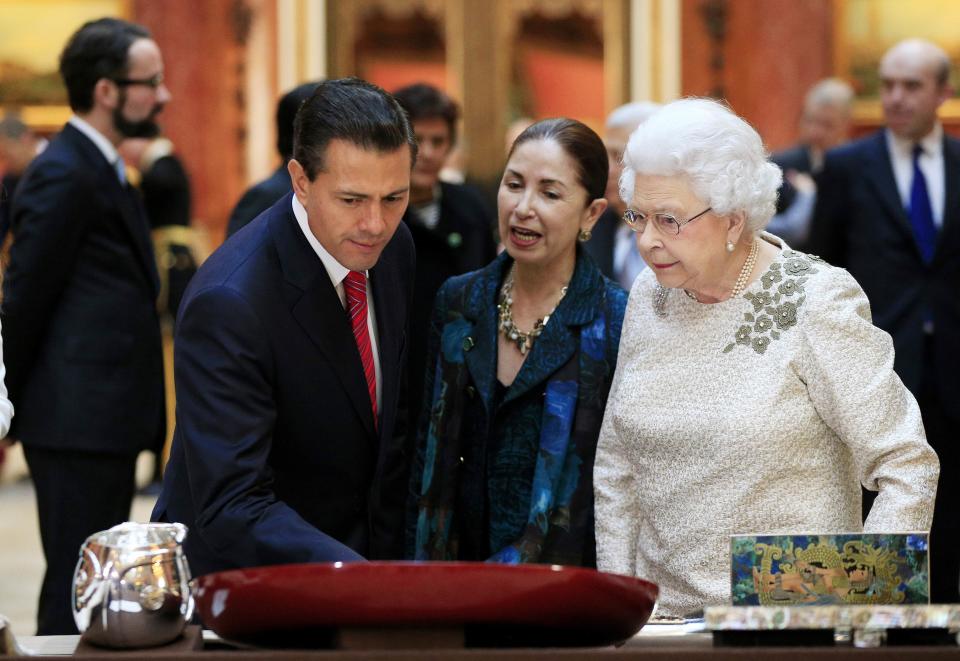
{"x": 555, "y": 346}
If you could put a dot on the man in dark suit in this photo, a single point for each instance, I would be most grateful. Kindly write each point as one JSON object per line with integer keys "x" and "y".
{"x": 612, "y": 245}
{"x": 164, "y": 186}
{"x": 262, "y": 195}
{"x": 888, "y": 210}
{"x": 451, "y": 226}
{"x": 290, "y": 438}
{"x": 824, "y": 124}
{"x": 80, "y": 325}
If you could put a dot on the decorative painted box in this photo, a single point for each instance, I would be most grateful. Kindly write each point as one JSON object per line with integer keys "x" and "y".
{"x": 819, "y": 570}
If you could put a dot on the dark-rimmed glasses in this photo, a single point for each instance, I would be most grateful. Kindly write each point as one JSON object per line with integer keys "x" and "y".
{"x": 154, "y": 81}
{"x": 664, "y": 222}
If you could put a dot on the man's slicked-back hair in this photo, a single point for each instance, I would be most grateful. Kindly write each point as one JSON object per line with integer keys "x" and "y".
{"x": 97, "y": 50}
{"x": 352, "y": 110}
{"x": 287, "y": 109}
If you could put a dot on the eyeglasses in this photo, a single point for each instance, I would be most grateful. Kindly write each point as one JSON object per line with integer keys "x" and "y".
{"x": 154, "y": 81}
{"x": 664, "y": 222}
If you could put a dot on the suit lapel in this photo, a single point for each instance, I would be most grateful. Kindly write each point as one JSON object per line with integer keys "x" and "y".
{"x": 951, "y": 205}
{"x": 321, "y": 316}
{"x": 480, "y": 309}
{"x": 879, "y": 172}
{"x": 559, "y": 341}
{"x": 125, "y": 199}
{"x": 318, "y": 310}
{"x": 135, "y": 220}
{"x": 389, "y": 332}
{"x": 556, "y": 345}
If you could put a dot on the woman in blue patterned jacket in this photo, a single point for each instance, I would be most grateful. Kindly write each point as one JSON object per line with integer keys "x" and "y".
{"x": 522, "y": 354}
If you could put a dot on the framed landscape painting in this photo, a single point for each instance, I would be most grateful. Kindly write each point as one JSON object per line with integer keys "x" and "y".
{"x": 865, "y": 29}
{"x": 32, "y": 35}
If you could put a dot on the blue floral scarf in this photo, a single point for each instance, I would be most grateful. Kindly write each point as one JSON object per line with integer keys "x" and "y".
{"x": 561, "y": 504}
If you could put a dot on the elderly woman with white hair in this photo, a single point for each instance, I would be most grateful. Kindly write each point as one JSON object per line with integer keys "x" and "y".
{"x": 752, "y": 392}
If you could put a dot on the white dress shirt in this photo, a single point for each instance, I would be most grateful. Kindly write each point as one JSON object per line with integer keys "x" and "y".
{"x": 105, "y": 146}
{"x": 931, "y": 164}
{"x": 337, "y": 273}
{"x": 429, "y": 213}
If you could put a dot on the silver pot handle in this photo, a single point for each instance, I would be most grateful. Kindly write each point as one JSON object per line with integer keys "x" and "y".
{"x": 192, "y": 601}
{"x": 94, "y": 594}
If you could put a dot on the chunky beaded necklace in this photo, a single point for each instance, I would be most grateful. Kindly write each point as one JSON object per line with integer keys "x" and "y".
{"x": 523, "y": 340}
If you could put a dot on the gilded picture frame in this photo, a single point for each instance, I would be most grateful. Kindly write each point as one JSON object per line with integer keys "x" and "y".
{"x": 865, "y": 29}
{"x": 32, "y": 35}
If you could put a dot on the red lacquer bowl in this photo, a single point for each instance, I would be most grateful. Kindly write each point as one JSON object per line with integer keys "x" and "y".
{"x": 525, "y": 605}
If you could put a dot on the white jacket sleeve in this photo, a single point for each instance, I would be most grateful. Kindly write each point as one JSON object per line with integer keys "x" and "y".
{"x": 614, "y": 476}
{"x": 848, "y": 369}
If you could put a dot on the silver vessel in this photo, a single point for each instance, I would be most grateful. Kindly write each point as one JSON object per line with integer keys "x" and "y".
{"x": 132, "y": 586}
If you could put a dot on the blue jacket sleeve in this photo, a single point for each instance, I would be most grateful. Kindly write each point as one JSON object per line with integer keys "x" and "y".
{"x": 226, "y": 413}
{"x": 616, "y": 308}
{"x": 437, "y": 320}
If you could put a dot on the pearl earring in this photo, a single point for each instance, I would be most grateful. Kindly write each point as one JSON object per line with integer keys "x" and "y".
{"x": 730, "y": 246}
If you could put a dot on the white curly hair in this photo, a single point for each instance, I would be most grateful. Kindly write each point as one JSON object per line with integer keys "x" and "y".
{"x": 721, "y": 156}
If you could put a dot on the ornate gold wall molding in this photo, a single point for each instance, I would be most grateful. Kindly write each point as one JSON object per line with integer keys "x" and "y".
{"x": 655, "y": 67}
{"x": 559, "y": 8}
{"x": 301, "y": 41}
{"x": 480, "y": 38}
{"x": 344, "y": 19}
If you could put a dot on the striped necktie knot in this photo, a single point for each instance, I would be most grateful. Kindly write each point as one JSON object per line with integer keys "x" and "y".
{"x": 355, "y": 286}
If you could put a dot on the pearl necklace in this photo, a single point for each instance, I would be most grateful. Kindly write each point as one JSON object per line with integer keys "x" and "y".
{"x": 660, "y": 293}
{"x": 506, "y": 325}
{"x": 746, "y": 271}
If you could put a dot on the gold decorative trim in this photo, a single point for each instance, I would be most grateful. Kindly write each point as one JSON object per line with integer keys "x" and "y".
{"x": 872, "y": 617}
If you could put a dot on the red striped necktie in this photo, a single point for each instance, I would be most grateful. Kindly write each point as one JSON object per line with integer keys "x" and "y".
{"x": 355, "y": 287}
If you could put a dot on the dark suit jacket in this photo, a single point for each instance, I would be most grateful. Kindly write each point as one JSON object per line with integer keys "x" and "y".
{"x": 259, "y": 197}
{"x": 165, "y": 187}
{"x": 601, "y": 245}
{"x": 7, "y": 185}
{"x": 861, "y": 225}
{"x": 276, "y": 458}
{"x": 80, "y": 330}
{"x": 795, "y": 158}
{"x": 462, "y": 241}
